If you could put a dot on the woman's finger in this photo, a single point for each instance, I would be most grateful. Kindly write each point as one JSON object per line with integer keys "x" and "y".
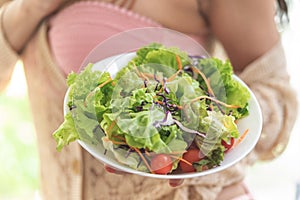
{"x": 113, "y": 170}
{"x": 175, "y": 182}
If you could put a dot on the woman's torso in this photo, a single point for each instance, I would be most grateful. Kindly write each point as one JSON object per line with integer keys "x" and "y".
{"x": 91, "y": 181}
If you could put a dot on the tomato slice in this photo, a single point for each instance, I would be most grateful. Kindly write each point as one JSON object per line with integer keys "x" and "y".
{"x": 192, "y": 155}
{"x": 161, "y": 164}
{"x": 226, "y": 145}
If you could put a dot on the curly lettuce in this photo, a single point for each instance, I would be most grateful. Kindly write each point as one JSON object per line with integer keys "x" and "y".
{"x": 159, "y": 102}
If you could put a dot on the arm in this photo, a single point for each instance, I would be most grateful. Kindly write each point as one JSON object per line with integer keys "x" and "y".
{"x": 19, "y": 20}
{"x": 249, "y": 35}
{"x": 22, "y": 17}
{"x": 8, "y": 57}
{"x": 246, "y": 28}
{"x": 268, "y": 78}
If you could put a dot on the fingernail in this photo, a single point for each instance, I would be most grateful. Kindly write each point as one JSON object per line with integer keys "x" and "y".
{"x": 109, "y": 169}
{"x": 175, "y": 182}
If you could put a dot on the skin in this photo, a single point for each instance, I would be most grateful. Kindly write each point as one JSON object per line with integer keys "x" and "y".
{"x": 22, "y": 18}
{"x": 237, "y": 31}
{"x": 246, "y": 29}
{"x": 234, "y": 30}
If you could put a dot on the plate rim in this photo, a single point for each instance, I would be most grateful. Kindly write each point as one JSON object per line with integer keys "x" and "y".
{"x": 127, "y": 169}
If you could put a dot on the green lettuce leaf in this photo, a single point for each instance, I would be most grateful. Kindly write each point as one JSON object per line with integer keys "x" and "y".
{"x": 87, "y": 104}
{"x": 217, "y": 127}
{"x": 125, "y": 156}
{"x": 66, "y": 133}
{"x": 225, "y": 87}
{"x": 133, "y": 108}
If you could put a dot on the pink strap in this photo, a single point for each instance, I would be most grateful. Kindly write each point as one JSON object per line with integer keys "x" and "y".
{"x": 77, "y": 29}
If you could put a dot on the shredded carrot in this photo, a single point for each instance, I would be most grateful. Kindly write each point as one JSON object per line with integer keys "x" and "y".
{"x": 148, "y": 75}
{"x": 118, "y": 143}
{"x": 105, "y": 82}
{"x": 210, "y": 91}
{"x": 181, "y": 159}
{"x": 148, "y": 153}
{"x": 86, "y": 98}
{"x": 242, "y": 137}
{"x": 171, "y": 78}
{"x": 144, "y": 76}
{"x": 211, "y": 107}
{"x": 152, "y": 76}
{"x": 160, "y": 102}
{"x": 179, "y": 107}
{"x": 179, "y": 62}
{"x": 161, "y": 89}
{"x": 115, "y": 142}
{"x": 215, "y": 100}
{"x": 99, "y": 86}
{"x": 108, "y": 131}
{"x": 119, "y": 137}
{"x": 144, "y": 159}
{"x": 140, "y": 74}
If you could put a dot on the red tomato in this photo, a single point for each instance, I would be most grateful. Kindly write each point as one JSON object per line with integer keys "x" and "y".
{"x": 226, "y": 145}
{"x": 161, "y": 164}
{"x": 192, "y": 155}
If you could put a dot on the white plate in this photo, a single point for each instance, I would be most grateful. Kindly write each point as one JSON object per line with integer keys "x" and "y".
{"x": 253, "y": 122}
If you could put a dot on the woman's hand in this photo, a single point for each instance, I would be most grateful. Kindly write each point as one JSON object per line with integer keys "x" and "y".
{"x": 172, "y": 182}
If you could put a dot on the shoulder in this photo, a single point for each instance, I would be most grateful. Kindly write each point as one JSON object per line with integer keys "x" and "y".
{"x": 241, "y": 12}
{"x": 246, "y": 29}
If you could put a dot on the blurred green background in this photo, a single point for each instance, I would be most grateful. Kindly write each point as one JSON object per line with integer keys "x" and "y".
{"x": 19, "y": 165}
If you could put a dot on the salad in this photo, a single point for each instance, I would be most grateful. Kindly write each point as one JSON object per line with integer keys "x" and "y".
{"x": 165, "y": 112}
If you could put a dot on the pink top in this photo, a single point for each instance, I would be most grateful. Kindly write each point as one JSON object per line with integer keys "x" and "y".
{"x": 79, "y": 28}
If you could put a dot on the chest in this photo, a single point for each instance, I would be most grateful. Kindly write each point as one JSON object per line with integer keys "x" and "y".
{"x": 180, "y": 15}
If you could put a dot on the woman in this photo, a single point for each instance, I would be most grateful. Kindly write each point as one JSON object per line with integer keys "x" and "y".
{"x": 41, "y": 33}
